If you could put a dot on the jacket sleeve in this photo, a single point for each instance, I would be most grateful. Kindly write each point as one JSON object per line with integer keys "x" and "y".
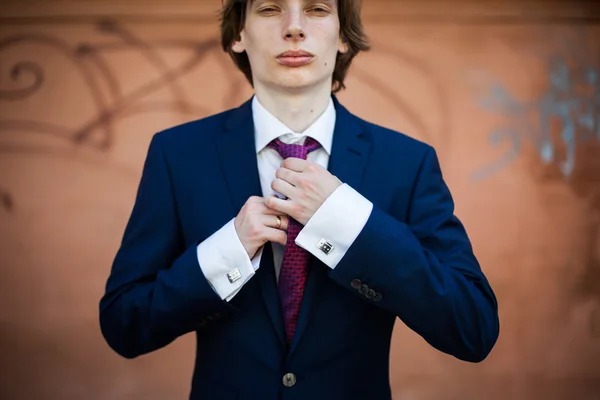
{"x": 424, "y": 271}
{"x": 156, "y": 291}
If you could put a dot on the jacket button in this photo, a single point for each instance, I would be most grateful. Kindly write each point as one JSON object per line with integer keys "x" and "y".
{"x": 364, "y": 289}
{"x": 356, "y": 283}
{"x": 289, "y": 380}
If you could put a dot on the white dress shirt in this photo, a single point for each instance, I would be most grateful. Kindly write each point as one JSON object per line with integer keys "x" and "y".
{"x": 339, "y": 220}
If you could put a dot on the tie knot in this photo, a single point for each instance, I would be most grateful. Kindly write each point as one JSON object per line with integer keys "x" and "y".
{"x": 294, "y": 150}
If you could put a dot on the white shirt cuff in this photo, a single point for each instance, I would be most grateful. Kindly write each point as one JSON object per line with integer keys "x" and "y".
{"x": 222, "y": 258}
{"x": 338, "y": 221}
{"x": 255, "y": 264}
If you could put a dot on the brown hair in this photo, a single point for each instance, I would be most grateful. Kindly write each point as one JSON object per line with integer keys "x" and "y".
{"x": 233, "y": 17}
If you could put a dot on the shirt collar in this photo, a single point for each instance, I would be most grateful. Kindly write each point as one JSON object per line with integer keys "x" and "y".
{"x": 267, "y": 128}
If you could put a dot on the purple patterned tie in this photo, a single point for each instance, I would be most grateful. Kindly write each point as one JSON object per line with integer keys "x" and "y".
{"x": 292, "y": 277}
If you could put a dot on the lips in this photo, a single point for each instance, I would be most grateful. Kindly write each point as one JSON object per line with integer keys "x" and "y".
{"x": 295, "y": 58}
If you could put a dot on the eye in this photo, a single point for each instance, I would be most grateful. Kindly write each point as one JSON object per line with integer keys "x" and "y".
{"x": 268, "y": 10}
{"x": 319, "y": 10}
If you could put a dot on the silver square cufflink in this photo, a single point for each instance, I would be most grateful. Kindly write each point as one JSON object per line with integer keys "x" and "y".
{"x": 325, "y": 246}
{"x": 234, "y": 275}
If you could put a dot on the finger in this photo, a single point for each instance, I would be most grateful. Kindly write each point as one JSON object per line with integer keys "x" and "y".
{"x": 270, "y": 211}
{"x": 287, "y": 175}
{"x": 276, "y": 236}
{"x": 283, "y": 187}
{"x": 280, "y": 204}
{"x": 255, "y": 199}
{"x": 271, "y": 221}
{"x": 295, "y": 164}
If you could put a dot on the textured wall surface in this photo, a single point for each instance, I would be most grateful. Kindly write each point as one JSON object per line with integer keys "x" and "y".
{"x": 507, "y": 92}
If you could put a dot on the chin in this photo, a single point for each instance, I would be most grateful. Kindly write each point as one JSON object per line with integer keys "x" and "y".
{"x": 296, "y": 79}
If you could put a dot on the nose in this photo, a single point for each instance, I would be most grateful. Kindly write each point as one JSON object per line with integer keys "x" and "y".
{"x": 294, "y": 32}
{"x": 294, "y": 26}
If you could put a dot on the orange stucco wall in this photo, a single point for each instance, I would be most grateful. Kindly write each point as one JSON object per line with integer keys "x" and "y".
{"x": 508, "y": 93}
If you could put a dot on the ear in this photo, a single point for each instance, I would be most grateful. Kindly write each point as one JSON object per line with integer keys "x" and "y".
{"x": 239, "y": 46}
{"x": 342, "y": 46}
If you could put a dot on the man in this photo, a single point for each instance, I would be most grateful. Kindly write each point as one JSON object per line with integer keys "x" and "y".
{"x": 289, "y": 234}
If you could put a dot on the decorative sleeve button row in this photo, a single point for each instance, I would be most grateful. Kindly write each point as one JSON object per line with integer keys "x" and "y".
{"x": 365, "y": 290}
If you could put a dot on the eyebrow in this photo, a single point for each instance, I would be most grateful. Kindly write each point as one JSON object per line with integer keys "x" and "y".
{"x": 330, "y": 2}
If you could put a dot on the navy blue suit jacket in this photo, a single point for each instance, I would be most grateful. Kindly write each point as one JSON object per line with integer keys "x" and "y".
{"x": 412, "y": 260}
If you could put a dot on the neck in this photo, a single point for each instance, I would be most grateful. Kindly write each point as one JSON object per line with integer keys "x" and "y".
{"x": 296, "y": 109}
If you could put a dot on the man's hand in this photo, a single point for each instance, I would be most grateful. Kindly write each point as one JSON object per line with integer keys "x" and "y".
{"x": 305, "y": 184}
{"x": 256, "y": 224}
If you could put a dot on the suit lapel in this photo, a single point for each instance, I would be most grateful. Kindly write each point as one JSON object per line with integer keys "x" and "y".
{"x": 349, "y": 154}
{"x": 350, "y": 147}
{"x": 237, "y": 154}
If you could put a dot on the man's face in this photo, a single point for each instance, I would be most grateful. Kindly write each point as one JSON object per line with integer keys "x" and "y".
{"x": 307, "y": 30}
